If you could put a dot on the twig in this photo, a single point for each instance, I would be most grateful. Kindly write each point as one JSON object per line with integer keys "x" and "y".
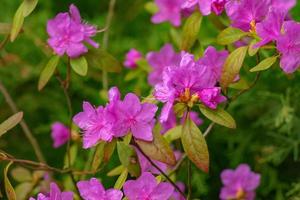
{"x": 24, "y": 126}
{"x": 207, "y": 131}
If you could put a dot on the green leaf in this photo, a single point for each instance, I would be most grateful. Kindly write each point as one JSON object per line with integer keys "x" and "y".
{"x": 79, "y": 65}
{"x": 5, "y": 28}
{"x": 98, "y": 156}
{"x": 195, "y": 145}
{"x": 151, "y": 7}
{"x": 173, "y": 134}
{"x": 128, "y": 158}
{"x": 17, "y": 23}
{"x": 230, "y": 35}
{"x": 23, "y": 190}
{"x": 265, "y": 64}
{"x": 103, "y": 60}
{"x": 73, "y": 156}
{"x": 190, "y": 30}
{"x": 29, "y": 6}
{"x": 242, "y": 84}
{"x": 218, "y": 116}
{"x": 116, "y": 171}
{"x": 133, "y": 74}
{"x": 252, "y": 51}
{"x": 47, "y": 72}
{"x": 21, "y": 174}
{"x": 9, "y": 190}
{"x": 10, "y": 123}
{"x": 109, "y": 149}
{"x": 158, "y": 149}
{"x": 232, "y": 66}
{"x": 180, "y": 109}
{"x": 121, "y": 180}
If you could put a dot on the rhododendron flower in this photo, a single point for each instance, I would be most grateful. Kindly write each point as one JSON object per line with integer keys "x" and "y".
{"x": 244, "y": 14}
{"x": 176, "y": 195}
{"x": 97, "y": 124}
{"x": 159, "y": 61}
{"x": 206, "y": 6}
{"x": 131, "y": 58}
{"x": 284, "y": 5}
{"x": 211, "y": 97}
{"x": 60, "y": 134}
{"x": 146, "y": 187}
{"x": 270, "y": 28}
{"x": 94, "y": 190}
{"x": 55, "y": 194}
{"x": 67, "y": 34}
{"x": 169, "y": 10}
{"x": 239, "y": 183}
{"x": 288, "y": 44}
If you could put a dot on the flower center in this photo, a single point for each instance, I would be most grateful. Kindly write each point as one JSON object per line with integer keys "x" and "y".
{"x": 252, "y": 26}
{"x": 240, "y": 195}
{"x": 188, "y": 98}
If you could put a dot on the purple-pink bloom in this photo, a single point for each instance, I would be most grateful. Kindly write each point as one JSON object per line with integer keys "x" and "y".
{"x": 96, "y": 123}
{"x": 55, "y": 194}
{"x": 93, "y": 190}
{"x": 211, "y": 97}
{"x": 165, "y": 57}
{"x": 60, "y": 134}
{"x": 169, "y": 10}
{"x": 206, "y": 6}
{"x": 240, "y": 183}
{"x": 176, "y": 195}
{"x": 146, "y": 187}
{"x": 131, "y": 58}
{"x": 288, "y": 44}
{"x": 67, "y": 34}
{"x": 284, "y": 5}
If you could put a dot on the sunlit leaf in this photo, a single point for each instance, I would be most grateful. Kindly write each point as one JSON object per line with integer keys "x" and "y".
{"x": 9, "y": 190}
{"x": 98, "y": 156}
{"x": 10, "y": 123}
{"x": 180, "y": 109}
{"x": 151, "y": 7}
{"x": 230, "y": 35}
{"x": 232, "y": 66}
{"x": 128, "y": 158}
{"x": 252, "y": 51}
{"x": 241, "y": 84}
{"x": 23, "y": 189}
{"x": 194, "y": 145}
{"x": 79, "y": 65}
{"x": 116, "y": 171}
{"x": 5, "y": 28}
{"x": 21, "y": 174}
{"x": 121, "y": 180}
{"x": 158, "y": 149}
{"x": 29, "y": 6}
{"x": 109, "y": 150}
{"x": 219, "y": 116}
{"x": 17, "y": 23}
{"x": 48, "y": 71}
{"x": 265, "y": 64}
{"x": 173, "y": 133}
{"x": 190, "y": 30}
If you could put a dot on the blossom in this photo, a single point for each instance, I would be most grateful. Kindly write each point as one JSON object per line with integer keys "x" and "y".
{"x": 176, "y": 195}
{"x": 206, "y": 6}
{"x": 146, "y": 187}
{"x": 60, "y": 134}
{"x": 93, "y": 190}
{"x": 169, "y": 10}
{"x": 269, "y": 29}
{"x": 288, "y": 44}
{"x": 284, "y": 5}
{"x": 97, "y": 124}
{"x": 239, "y": 183}
{"x": 67, "y": 33}
{"x": 159, "y": 61}
{"x": 135, "y": 117}
{"x": 211, "y": 97}
{"x": 131, "y": 58}
{"x": 55, "y": 194}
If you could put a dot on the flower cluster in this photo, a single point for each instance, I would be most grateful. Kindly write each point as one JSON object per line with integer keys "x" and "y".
{"x": 60, "y": 134}
{"x": 192, "y": 81}
{"x": 68, "y": 33}
{"x": 116, "y": 119}
{"x": 239, "y": 183}
{"x": 54, "y": 194}
{"x": 131, "y": 58}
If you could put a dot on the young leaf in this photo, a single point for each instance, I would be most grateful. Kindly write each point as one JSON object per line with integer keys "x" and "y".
{"x": 73, "y": 155}
{"x": 109, "y": 149}
{"x": 173, "y": 134}
{"x": 190, "y": 30}
{"x": 48, "y": 72}
{"x": 5, "y": 28}
{"x": 151, "y": 7}
{"x": 121, "y": 180}
{"x": 180, "y": 109}
{"x": 23, "y": 189}
{"x": 21, "y": 174}
{"x": 17, "y": 23}
{"x": 218, "y": 116}
{"x": 265, "y": 64}
{"x": 79, "y": 65}
{"x": 195, "y": 145}
{"x": 10, "y": 123}
{"x": 232, "y": 66}
{"x": 252, "y": 51}
{"x": 128, "y": 158}
{"x": 230, "y": 35}
{"x": 158, "y": 149}
{"x": 9, "y": 190}
{"x": 116, "y": 171}
{"x": 98, "y": 156}
{"x": 29, "y": 6}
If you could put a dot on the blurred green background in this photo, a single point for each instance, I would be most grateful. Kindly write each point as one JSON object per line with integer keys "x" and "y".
{"x": 268, "y": 132}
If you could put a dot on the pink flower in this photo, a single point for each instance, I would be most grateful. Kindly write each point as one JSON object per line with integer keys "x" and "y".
{"x": 159, "y": 61}
{"x": 285, "y": 5}
{"x": 94, "y": 190}
{"x": 169, "y": 10}
{"x": 67, "y": 34}
{"x": 97, "y": 124}
{"x": 146, "y": 187}
{"x": 60, "y": 134}
{"x": 239, "y": 183}
{"x": 131, "y": 58}
{"x": 55, "y": 194}
{"x": 206, "y": 6}
{"x": 176, "y": 195}
{"x": 211, "y": 97}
